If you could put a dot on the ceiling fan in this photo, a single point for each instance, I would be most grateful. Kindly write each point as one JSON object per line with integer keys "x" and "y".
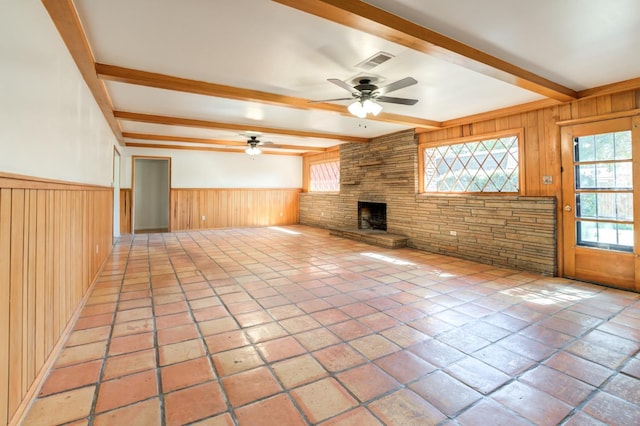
{"x": 254, "y": 143}
{"x": 366, "y": 95}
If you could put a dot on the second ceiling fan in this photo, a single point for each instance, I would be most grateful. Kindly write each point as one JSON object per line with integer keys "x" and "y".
{"x": 366, "y": 95}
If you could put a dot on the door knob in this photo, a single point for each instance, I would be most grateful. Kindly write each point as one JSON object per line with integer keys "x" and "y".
{"x": 567, "y": 208}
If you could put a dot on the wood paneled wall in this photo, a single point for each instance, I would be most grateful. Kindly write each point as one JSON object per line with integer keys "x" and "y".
{"x": 53, "y": 239}
{"x": 224, "y": 208}
{"x": 542, "y": 134}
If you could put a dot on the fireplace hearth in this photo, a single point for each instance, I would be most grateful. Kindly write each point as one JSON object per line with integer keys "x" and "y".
{"x": 372, "y": 215}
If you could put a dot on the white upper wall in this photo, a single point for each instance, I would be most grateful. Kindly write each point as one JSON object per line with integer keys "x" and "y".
{"x": 50, "y": 125}
{"x": 201, "y": 169}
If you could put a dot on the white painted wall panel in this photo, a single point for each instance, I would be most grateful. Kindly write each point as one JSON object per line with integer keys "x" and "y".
{"x": 194, "y": 169}
{"x": 50, "y": 125}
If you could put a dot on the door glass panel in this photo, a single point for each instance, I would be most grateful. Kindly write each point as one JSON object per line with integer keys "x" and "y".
{"x": 604, "y": 205}
{"x": 609, "y": 236}
{"x": 604, "y": 191}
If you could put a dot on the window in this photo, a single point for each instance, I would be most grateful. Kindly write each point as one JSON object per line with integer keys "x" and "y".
{"x": 486, "y": 165}
{"x": 325, "y": 176}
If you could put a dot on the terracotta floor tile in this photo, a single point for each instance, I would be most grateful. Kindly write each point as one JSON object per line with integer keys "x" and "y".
{"x": 173, "y": 320}
{"x": 479, "y": 414}
{"x": 89, "y": 335}
{"x": 447, "y": 394}
{"x": 94, "y": 321}
{"x": 61, "y": 408}
{"x": 349, "y": 330}
{"x": 374, "y": 346}
{"x": 219, "y": 325}
{"x": 133, "y": 314}
{"x": 503, "y": 359}
{"x": 367, "y": 381}
{"x": 236, "y": 360}
{"x": 264, "y": 332}
{"x": 264, "y": 304}
{"x": 478, "y": 375}
{"x": 213, "y": 312}
{"x": 253, "y": 318}
{"x": 285, "y": 311}
{"x": 143, "y": 413}
{"x": 132, "y": 327}
{"x": 526, "y": 347}
{"x": 405, "y": 366}
{"x": 339, "y": 357}
{"x": 405, "y": 408}
{"x": 323, "y": 399}
{"x": 379, "y": 321}
{"x": 280, "y": 409}
{"x": 298, "y": 371}
{"x": 177, "y": 334}
{"x": 184, "y": 374}
{"x": 557, "y": 384}
{"x": 170, "y": 308}
{"x": 249, "y": 386}
{"x": 299, "y": 324}
{"x": 405, "y": 336}
{"x": 625, "y": 387}
{"x": 126, "y": 390}
{"x": 224, "y": 341}
{"x": 279, "y": 349}
{"x": 72, "y": 377}
{"x": 219, "y": 420}
{"x": 177, "y": 352}
{"x": 317, "y": 339}
{"x": 133, "y": 343}
{"x": 538, "y": 407}
{"x": 579, "y": 368}
{"x": 81, "y": 353}
{"x": 356, "y": 417}
{"x": 632, "y": 368}
{"x": 437, "y": 353}
{"x": 122, "y": 365}
{"x": 194, "y": 403}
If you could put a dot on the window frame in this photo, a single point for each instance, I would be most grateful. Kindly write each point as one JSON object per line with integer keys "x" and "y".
{"x": 323, "y": 161}
{"x": 518, "y": 132}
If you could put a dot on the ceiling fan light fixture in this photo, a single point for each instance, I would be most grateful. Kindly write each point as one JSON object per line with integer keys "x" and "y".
{"x": 372, "y": 107}
{"x": 253, "y": 150}
{"x": 361, "y": 108}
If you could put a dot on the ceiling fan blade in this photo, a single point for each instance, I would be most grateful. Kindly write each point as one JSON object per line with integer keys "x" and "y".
{"x": 331, "y": 100}
{"x": 392, "y": 100}
{"x": 397, "y": 85}
{"x": 344, "y": 85}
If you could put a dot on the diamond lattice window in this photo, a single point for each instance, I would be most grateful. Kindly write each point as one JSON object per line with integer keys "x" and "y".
{"x": 481, "y": 166}
{"x": 325, "y": 177}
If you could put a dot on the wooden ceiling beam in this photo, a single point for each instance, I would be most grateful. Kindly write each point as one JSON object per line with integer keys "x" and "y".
{"x": 205, "y": 148}
{"x": 204, "y": 124}
{"x": 367, "y": 18}
{"x": 167, "y": 82}
{"x": 167, "y": 138}
{"x": 64, "y": 16}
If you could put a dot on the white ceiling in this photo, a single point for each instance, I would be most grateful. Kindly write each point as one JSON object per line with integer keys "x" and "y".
{"x": 266, "y": 46}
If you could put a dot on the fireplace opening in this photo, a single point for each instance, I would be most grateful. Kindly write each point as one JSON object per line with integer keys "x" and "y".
{"x": 372, "y": 215}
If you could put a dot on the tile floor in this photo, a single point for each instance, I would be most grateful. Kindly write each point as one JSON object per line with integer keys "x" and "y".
{"x": 291, "y": 326}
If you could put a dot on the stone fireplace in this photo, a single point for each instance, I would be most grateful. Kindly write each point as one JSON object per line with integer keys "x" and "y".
{"x": 372, "y": 215}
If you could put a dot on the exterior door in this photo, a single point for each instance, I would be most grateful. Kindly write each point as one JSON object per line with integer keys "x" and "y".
{"x": 601, "y": 175}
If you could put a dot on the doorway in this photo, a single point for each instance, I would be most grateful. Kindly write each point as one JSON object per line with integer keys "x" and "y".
{"x": 601, "y": 175}
{"x": 116, "y": 195}
{"x": 151, "y": 191}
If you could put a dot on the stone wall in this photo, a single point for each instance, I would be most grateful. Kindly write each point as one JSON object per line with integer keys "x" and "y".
{"x": 510, "y": 231}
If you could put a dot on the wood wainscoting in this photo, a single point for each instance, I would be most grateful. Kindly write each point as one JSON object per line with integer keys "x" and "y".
{"x": 54, "y": 237}
{"x": 224, "y": 207}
